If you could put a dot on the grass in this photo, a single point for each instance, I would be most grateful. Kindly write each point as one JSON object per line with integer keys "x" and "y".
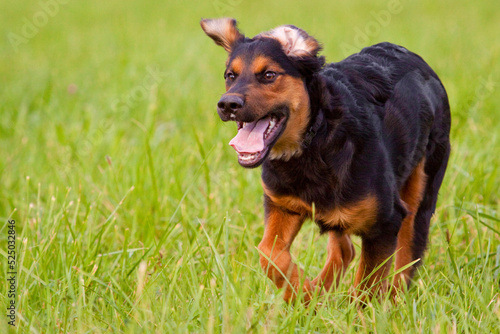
{"x": 131, "y": 212}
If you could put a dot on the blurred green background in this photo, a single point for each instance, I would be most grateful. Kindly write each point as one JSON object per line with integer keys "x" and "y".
{"x": 131, "y": 212}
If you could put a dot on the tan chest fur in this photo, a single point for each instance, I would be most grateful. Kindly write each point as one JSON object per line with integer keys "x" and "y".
{"x": 354, "y": 218}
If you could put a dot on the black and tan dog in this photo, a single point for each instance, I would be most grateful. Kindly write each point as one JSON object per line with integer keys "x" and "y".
{"x": 360, "y": 146}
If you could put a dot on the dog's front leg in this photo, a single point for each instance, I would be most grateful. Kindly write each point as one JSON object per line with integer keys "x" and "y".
{"x": 340, "y": 254}
{"x": 280, "y": 231}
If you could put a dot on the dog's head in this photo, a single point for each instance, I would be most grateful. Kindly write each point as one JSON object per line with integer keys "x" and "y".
{"x": 266, "y": 93}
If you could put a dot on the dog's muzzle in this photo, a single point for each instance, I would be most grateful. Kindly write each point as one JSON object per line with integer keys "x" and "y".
{"x": 228, "y": 106}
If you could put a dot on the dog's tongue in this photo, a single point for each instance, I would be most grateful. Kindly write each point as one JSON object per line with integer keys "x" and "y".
{"x": 250, "y": 138}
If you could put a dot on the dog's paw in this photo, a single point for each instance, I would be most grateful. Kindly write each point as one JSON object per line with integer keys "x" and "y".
{"x": 309, "y": 290}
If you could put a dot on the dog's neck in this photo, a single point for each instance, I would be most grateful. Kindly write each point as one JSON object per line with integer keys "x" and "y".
{"x": 297, "y": 150}
{"x": 313, "y": 130}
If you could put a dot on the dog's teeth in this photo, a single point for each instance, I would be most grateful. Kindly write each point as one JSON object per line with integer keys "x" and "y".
{"x": 247, "y": 157}
{"x": 272, "y": 123}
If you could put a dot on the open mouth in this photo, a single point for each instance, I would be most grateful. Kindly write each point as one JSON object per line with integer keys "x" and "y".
{"x": 255, "y": 139}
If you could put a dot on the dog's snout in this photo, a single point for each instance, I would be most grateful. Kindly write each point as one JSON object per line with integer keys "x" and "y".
{"x": 230, "y": 104}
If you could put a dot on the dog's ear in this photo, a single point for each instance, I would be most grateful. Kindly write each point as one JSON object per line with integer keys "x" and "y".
{"x": 223, "y": 31}
{"x": 295, "y": 41}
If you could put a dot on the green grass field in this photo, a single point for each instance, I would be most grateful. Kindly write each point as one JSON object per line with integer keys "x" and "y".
{"x": 131, "y": 212}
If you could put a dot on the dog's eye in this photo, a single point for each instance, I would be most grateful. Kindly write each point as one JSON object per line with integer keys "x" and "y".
{"x": 269, "y": 75}
{"x": 230, "y": 76}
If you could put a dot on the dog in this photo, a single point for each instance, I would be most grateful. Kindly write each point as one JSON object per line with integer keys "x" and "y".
{"x": 359, "y": 146}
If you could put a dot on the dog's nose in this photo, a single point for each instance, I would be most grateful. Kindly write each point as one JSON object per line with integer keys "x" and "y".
{"x": 230, "y": 104}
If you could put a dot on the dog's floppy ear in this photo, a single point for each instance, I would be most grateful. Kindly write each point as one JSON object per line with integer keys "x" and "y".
{"x": 223, "y": 31}
{"x": 295, "y": 41}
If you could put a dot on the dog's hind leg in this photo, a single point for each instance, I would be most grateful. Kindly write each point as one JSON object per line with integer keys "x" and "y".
{"x": 435, "y": 167}
{"x": 438, "y": 151}
{"x": 411, "y": 194}
{"x": 340, "y": 254}
{"x": 375, "y": 262}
